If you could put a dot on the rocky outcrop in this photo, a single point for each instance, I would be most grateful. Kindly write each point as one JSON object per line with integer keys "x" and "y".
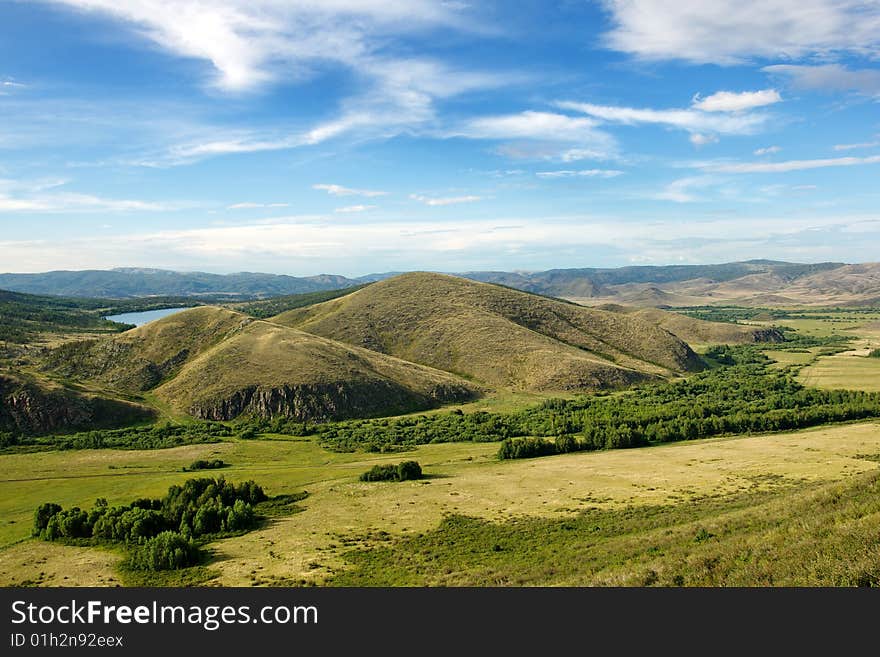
{"x": 28, "y": 409}
{"x": 328, "y": 401}
{"x": 768, "y": 335}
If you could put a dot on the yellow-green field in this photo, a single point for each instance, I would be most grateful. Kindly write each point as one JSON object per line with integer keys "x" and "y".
{"x": 342, "y": 513}
{"x": 852, "y": 370}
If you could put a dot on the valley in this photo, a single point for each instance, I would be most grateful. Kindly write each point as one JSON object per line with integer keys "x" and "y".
{"x": 303, "y": 394}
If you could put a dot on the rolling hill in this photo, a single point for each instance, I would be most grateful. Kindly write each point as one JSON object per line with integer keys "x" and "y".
{"x": 497, "y": 336}
{"x": 697, "y": 331}
{"x": 217, "y": 364}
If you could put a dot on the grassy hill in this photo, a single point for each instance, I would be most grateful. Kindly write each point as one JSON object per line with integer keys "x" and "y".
{"x": 495, "y": 335}
{"x": 216, "y": 363}
{"x": 698, "y": 331}
{"x": 269, "y": 370}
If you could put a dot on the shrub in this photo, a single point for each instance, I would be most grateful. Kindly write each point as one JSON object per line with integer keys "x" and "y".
{"x": 165, "y": 551}
{"x": 202, "y": 464}
{"x": 875, "y": 353}
{"x": 400, "y": 472}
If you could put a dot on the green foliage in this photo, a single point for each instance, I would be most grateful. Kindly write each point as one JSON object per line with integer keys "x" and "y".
{"x": 874, "y": 353}
{"x": 747, "y": 396}
{"x": 165, "y": 551}
{"x": 203, "y": 464}
{"x": 400, "y": 472}
{"x": 158, "y": 436}
{"x": 158, "y": 533}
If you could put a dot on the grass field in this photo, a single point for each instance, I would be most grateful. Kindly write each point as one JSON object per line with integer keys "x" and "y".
{"x": 343, "y": 514}
{"x": 851, "y": 369}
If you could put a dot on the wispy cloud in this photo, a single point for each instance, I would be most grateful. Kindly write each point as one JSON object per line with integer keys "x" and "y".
{"x": 682, "y": 190}
{"x": 250, "y": 206}
{"x": 339, "y": 190}
{"x": 786, "y": 166}
{"x": 767, "y": 150}
{"x": 698, "y": 139}
{"x": 830, "y": 77}
{"x": 735, "y": 31}
{"x": 8, "y": 86}
{"x": 355, "y": 208}
{"x": 249, "y": 43}
{"x": 730, "y": 101}
{"x": 582, "y": 173}
{"x": 685, "y": 119}
{"x": 852, "y": 147}
{"x": 68, "y": 202}
{"x": 449, "y": 200}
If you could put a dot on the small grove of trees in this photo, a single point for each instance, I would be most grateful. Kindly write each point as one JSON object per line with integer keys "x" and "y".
{"x": 202, "y": 464}
{"x": 874, "y": 353}
{"x": 160, "y": 534}
{"x": 391, "y": 472}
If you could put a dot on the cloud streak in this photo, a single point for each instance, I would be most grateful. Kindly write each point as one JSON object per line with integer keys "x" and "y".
{"x": 786, "y": 166}
{"x": 449, "y": 200}
{"x": 339, "y": 190}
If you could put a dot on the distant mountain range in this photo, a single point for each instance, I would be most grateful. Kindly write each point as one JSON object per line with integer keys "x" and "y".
{"x": 754, "y": 282}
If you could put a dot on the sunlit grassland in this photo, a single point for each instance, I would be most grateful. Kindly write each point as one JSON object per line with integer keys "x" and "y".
{"x": 342, "y": 513}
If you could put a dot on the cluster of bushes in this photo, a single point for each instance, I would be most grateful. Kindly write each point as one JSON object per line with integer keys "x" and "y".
{"x": 874, "y": 353}
{"x": 202, "y": 464}
{"x": 159, "y": 436}
{"x": 390, "y": 434}
{"x": 399, "y": 472}
{"x": 159, "y": 533}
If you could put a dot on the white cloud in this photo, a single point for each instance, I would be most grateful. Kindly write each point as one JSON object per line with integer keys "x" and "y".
{"x": 64, "y": 203}
{"x": 699, "y": 139}
{"x": 8, "y": 86}
{"x": 251, "y": 42}
{"x": 339, "y": 190}
{"x": 850, "y": 147}
{"x": 767, "y": 150}
{"x": 681, "y": 190}
{"x": 829, "y": 77}
{"x": 249, "y": 206}
{"x": 729, "y": 101}
{"x": 736, "y": 31}
{"x": 312, "y": 244}
{"x": 586, "y": 173}
{"x": 783, "y": 167}
{"x": 541, "y": 135}
{"x": 684, "y": 119}
{"x": 451, "y": 200}
{"x": 533, "y": 125}
{"x": 355, "y": 208}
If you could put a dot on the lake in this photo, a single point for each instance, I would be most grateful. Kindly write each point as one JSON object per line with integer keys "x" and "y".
{"x": 139, "y": 319}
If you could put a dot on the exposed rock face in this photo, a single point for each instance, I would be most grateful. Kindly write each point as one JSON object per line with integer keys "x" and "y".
{"x": 321, "y": 402}
{"x": 768, "y": 335}
{"x": 28, "y": 409}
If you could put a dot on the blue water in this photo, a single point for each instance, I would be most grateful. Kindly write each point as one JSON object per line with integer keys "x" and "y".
{"x": 139, "y": 319}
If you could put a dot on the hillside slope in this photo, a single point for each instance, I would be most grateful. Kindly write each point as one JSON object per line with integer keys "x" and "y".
{"x": 698, "y": 331}
{"x": 495, "y": 335}
{"x": 217, "y": 364}
{"x": 32, "y": 407}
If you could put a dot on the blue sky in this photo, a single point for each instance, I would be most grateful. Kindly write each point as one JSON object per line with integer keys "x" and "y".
{"x": 355, "y": 136}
